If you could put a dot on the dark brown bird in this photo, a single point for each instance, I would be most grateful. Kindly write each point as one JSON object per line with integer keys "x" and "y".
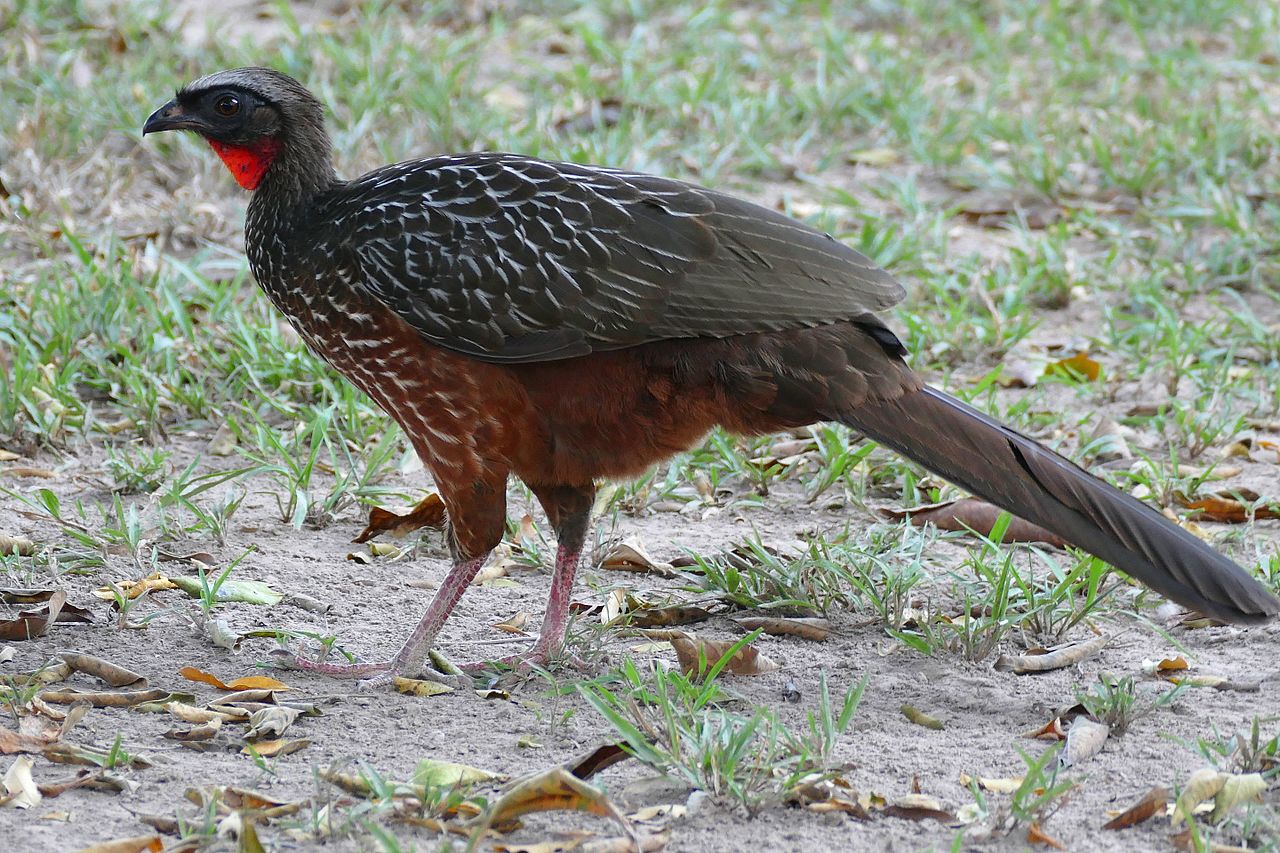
{"x": 568, "y": 323}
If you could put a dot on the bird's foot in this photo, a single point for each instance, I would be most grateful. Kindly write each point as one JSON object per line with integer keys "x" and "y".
{"x": 372, "y": 676}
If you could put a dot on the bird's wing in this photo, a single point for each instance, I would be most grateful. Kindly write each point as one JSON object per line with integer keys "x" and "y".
{"x": 513, "y": 259}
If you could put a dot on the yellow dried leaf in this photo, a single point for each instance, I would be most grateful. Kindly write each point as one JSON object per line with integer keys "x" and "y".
{"x": 1203, "y": 784}
{"x": 1078, "y": 364}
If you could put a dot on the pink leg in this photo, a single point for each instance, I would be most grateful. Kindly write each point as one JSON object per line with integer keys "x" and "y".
{"x": 408, "y": 661}
{"x": 556, "y": 619}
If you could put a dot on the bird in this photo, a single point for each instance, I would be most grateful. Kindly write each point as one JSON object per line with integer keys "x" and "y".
{"x": 569, "y": 324}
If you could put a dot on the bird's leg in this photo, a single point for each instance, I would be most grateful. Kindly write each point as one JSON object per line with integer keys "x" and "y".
{"x": 408, "y": 661}
{"x": 569, "y": 510}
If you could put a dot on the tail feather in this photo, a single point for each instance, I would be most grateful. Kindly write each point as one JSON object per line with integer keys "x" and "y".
{"x": 1015, "y": 473}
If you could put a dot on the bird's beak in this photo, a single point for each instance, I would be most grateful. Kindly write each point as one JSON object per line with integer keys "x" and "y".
{"x": 170, "y": 117}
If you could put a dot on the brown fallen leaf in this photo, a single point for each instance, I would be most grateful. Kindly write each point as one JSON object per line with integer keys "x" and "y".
{"x": 112, "y": 674}
{"x": 1058, "y": 657}
{"x": 1036, "y": 835}
{"x": 555, "y": 789}
{"x": 276, "y": 748}
{"x": 28, "y": 471}
{"x": 1228, "y": 509}
{"x": 12, "y": 742}
{"x": 248, "y": 682}
{"x": 671, "y": 614}
{"x": 598, "y": 759}
{"x": 972, "y": 514}
{"x": 83, "y": 779}
{"x": 16, "y": 546}
{"x": 1152, "y": 803}
{"x": 806, "y": 627}
{"x": 919, "y": 807}
{"x": 29, "y": 624}
{"x": 630, "y": 556}
{"x": 104, "y": 698}
{"x": 697, "y": 655}
{"x": 428, "y": 512}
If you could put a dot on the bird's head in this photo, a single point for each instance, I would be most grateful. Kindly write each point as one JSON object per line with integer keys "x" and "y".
{"x": 250, "y": 117}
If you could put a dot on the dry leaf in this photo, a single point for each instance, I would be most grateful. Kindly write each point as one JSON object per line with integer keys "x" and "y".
{"x": 972, "y": 514}
{"x": 191, "y": 714}
{"x": 137, "y": 844}
{"x": 104, "y": 699}
{"x": 1003, "y": 785}
{"x": 1236, "y": 789}
{"x": 271, "y": 722}
{"x": 1227, "y": 509}
{"x": 809, "y": 628}
{"x": 116, "y": 676}
{"x": 1077, "y": 365}
{"x": 154, "y": 582}
{"x": 598, "y": 759}
{"x": 615, "y": 604}
{"x": 420, "y": 687}
{"x": 276, "y": 748}
{"x": 445, "y": 774}
{"x": 874, "y": 157}
{"x": 552, "y": 790}
{"x": 16, "y": 546}
{"x": 248, "y": 682}
{"x": 1085, "y": 739}
{"x": 630, "y": 556}
{"x": 1058, "y": 657}
{"x": 1177, "y": 663}
{"x": 428, "y": 512}
{"x": 514, "y": 625}
{"x": 29, "y": 624}
{"x": 1203, "y": 784}
{"x": 920, "y": 718}
{"x": 692, "y": 652}
{"x": 918, "y": 807}
{"x": 1152, "y": 803}
{"x": 1036, "y": 835}
{"x": 644, "y": 616}
{"x": 22, "y": 790}
{"x": 206, "y": 731}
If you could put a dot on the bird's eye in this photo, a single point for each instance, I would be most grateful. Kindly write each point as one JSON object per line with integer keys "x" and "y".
{"x": 227, "y": 106}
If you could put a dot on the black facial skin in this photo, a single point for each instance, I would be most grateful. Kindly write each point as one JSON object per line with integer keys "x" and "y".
{"x": 231, "y": 115}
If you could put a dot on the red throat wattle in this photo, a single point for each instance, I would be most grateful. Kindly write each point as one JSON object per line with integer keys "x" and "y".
{"x": 247, "y": 163}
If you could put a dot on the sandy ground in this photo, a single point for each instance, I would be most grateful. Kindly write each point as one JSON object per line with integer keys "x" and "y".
{"x": 986, "y": 712}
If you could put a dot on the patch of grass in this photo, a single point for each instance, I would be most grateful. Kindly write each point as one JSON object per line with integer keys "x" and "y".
{"x": 681, "y": 728}
{"x": 754, "y": 576}
{"x": 1120, "y": 702}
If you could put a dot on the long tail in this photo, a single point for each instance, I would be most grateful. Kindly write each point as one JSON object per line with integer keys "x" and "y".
{"x": 1015, "y": 473}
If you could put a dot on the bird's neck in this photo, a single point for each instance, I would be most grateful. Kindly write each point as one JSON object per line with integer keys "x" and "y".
{"x": 283, "y": 172}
